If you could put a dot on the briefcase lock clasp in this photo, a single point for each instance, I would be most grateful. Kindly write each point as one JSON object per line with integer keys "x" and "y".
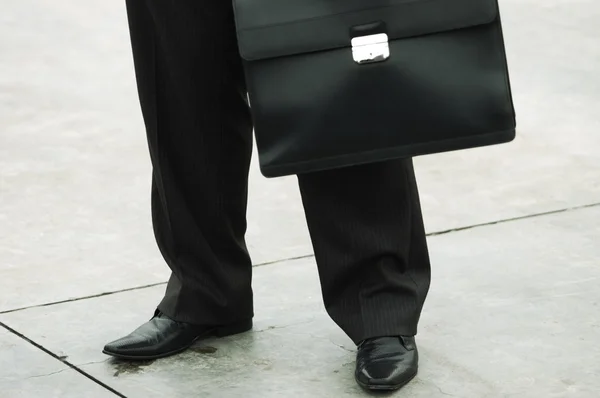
{"x": 371, "y": 48}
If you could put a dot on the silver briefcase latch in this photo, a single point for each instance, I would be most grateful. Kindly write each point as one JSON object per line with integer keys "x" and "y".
{"x": 371, "y": 48}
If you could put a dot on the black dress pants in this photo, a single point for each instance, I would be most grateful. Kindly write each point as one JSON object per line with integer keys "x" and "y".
{"x": 365, "y": 221}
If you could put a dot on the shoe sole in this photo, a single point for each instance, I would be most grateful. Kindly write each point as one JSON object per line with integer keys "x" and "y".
{"x": 374, "y": 387}
{"x": 221, "y": 331}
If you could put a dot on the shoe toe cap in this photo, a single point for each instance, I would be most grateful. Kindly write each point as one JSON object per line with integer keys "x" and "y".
{"x": 388, "y": 373}
{"x": 385, "y": 375}
{"x": 127, "y": 345}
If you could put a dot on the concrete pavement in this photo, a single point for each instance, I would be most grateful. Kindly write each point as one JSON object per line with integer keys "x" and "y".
{"x": 513, "y": 309}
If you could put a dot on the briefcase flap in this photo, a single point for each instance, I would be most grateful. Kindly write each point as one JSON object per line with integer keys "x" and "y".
{"x": 277, "y": 28}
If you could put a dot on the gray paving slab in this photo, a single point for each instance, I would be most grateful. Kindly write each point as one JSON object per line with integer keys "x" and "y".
{"x": 553, "y": 58}
{"x": 291, "y": 329}
{"x": 513, "y": 312}
{"x": 74, "y": 169}
{"x": 27, "y": 372}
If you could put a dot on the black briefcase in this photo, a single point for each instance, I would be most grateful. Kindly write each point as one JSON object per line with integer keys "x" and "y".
{"x": 335, "y": 83}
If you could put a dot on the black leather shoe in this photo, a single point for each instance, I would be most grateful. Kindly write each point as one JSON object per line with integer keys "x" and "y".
{"x": 386, "y": 363}
{"x": 162, "y": 336}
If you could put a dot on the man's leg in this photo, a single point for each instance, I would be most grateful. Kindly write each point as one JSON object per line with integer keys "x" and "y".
{"x": 193, "y": 98}
{"x": 370, "y": 246}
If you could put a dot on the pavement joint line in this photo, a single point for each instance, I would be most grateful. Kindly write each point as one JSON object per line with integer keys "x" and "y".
{"x": 284, "y": 260}
{"x": 431, "y": 234}
{"x": 58, "y": 358}
{"x": 508, "y": 220}
{"x": 131, "y": 289}
{"x": 83, "y": 298}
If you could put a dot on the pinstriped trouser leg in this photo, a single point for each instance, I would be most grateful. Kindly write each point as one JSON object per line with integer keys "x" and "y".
{"x": 193, "y": 97}
{"x": 365, "y": 221}
{"x": 370, "y": 245}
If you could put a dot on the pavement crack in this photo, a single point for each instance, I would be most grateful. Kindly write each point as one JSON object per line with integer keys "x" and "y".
{"x": 92, "y": 363}
{"x": 285, "y": 326}
{"x": 47, "y": 374}
{"x": 442, "y": 391}
{"x": 341, "y": 346}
